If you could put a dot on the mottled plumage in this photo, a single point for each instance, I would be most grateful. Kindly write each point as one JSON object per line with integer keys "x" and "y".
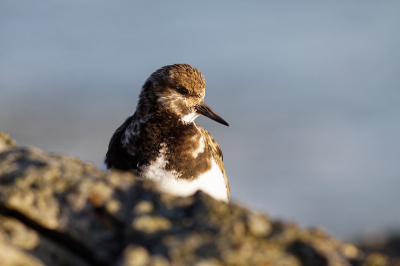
{"x": 162, "y": 142}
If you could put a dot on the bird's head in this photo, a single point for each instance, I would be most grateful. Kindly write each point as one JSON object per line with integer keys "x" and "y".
{"x": 179, "y": 90}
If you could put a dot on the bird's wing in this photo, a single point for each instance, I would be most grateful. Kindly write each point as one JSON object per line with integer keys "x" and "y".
{"x": 217, "y": 155}
{"x": 115, "y": 148}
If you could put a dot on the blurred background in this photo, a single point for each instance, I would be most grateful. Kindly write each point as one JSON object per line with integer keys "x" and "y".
{"x": 311, "y": 90}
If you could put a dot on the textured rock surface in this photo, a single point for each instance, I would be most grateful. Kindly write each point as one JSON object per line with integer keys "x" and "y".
{"x": 57, "y": 210}
{"x": 6, "y": 142}
{"x": 389, "y": 246}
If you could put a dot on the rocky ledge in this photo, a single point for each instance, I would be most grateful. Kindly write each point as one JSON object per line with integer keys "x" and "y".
{"x": 57, "y": 210}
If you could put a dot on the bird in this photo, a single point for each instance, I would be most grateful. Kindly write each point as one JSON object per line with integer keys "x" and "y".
{"x": 161, "y": 142}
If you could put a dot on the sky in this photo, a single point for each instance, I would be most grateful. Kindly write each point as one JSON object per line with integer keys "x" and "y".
{"x": 311, "y": 91}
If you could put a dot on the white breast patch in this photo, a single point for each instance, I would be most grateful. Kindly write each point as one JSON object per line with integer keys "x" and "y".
{"x": 211, "y": 182}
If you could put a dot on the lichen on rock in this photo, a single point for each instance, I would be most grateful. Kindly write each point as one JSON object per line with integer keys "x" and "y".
{"x": 6, "y": 142}
{"x": 57, "y": 210}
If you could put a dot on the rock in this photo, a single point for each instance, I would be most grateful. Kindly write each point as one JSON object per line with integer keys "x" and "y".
{"x": 57, "y": 210}
{"x": 258, "y": 225}
{"x": 135, "y": 256}
{"x": 384, "y": 249}
{"x": 6, "y": 142}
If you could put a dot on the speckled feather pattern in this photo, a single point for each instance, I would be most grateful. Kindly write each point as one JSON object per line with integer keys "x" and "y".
{"x": 159, "y": 125}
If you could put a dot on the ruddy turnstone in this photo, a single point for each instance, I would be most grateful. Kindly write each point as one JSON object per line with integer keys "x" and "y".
{"x": 161, "y": 141}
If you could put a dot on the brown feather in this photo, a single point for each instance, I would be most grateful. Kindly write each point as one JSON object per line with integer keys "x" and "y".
{"x": 217, "y": 155}
{"x": 158, "y": 122}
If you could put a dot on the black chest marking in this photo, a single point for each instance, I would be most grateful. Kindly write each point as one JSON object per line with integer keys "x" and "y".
{"x": 141, "y": 146}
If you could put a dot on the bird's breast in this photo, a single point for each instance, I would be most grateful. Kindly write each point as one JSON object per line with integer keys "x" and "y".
{"x": 211, "y": 182}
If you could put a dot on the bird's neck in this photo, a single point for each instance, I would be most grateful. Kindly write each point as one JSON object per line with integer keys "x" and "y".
{"x": 148, "y": 132}
{"x": 156, "y": 116}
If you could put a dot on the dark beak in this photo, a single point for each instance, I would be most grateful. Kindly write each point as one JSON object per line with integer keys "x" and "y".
{"x": 203, "y": 109}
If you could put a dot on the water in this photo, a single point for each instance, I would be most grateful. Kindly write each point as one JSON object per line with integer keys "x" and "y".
{"x": 311, "y": 91}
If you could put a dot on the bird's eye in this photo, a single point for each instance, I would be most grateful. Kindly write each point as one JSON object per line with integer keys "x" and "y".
{"x": 183, "y": 91}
